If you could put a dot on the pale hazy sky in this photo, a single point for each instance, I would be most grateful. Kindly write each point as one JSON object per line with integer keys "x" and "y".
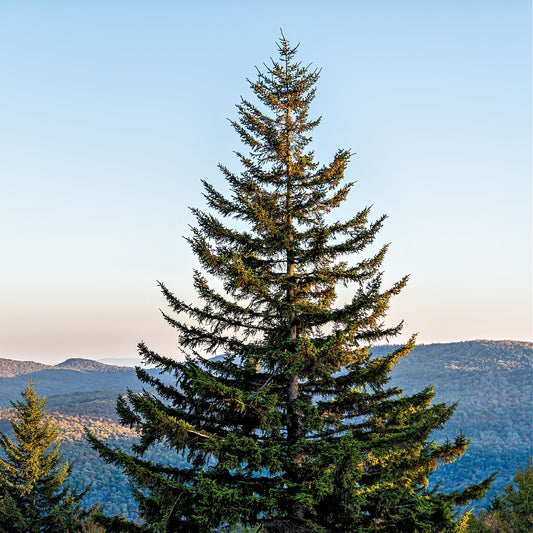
{"x": 113, "y": 111}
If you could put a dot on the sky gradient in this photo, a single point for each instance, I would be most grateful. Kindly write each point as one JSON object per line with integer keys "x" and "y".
{"x": 114, "y": 111}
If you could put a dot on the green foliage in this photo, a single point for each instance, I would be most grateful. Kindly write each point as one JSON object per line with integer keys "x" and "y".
{"x": 35, "y": 494}
{"x": 90, "y": 525}
{"x": 512, "y": 510}
{"x": 296, "y": 427}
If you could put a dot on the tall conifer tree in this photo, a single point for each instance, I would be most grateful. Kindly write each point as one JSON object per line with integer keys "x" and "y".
{"x": 35, "y": 494}
{"x": 294, "y": 427}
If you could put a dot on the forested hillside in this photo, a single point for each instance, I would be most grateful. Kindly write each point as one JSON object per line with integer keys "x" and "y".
{"x": 490, "y": 380}
{"x": 492, "y": 383}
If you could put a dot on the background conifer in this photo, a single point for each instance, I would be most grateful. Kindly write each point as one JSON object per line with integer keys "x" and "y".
{"x": 294, "y": 427}
{"x": 35, "y": 494}
{"x": 510, "y": 511}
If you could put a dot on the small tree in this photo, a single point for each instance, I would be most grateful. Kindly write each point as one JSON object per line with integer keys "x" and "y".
{"x": 294, "y": 428}
{"x": 35, "y": 495}
{"x": 510, "y": 511}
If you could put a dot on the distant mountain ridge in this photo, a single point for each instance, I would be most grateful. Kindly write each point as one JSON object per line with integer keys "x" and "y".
{"x": 72, "y": 375}
{"x": 475, "y": 355}
{"x": 426, "y": 364}
{"x": 10, "y": 368}
{"x": 88, "y": 365}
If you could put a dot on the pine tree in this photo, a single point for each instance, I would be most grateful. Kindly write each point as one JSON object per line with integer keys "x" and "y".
{"x": 294, "y": 427}
{"x": 35, "y": 494}
{"x": 510, "y": 511}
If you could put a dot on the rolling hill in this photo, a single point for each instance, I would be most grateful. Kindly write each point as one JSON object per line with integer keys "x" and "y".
{"x": 72, "y": 375}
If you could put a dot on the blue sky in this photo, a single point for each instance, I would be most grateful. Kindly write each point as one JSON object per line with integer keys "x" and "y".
{"x": 114, "y": 111}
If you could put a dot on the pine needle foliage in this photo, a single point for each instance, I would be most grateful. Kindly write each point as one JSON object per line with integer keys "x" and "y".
{"x": 35, "y": 494}
{"x": 294, "y": 428}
